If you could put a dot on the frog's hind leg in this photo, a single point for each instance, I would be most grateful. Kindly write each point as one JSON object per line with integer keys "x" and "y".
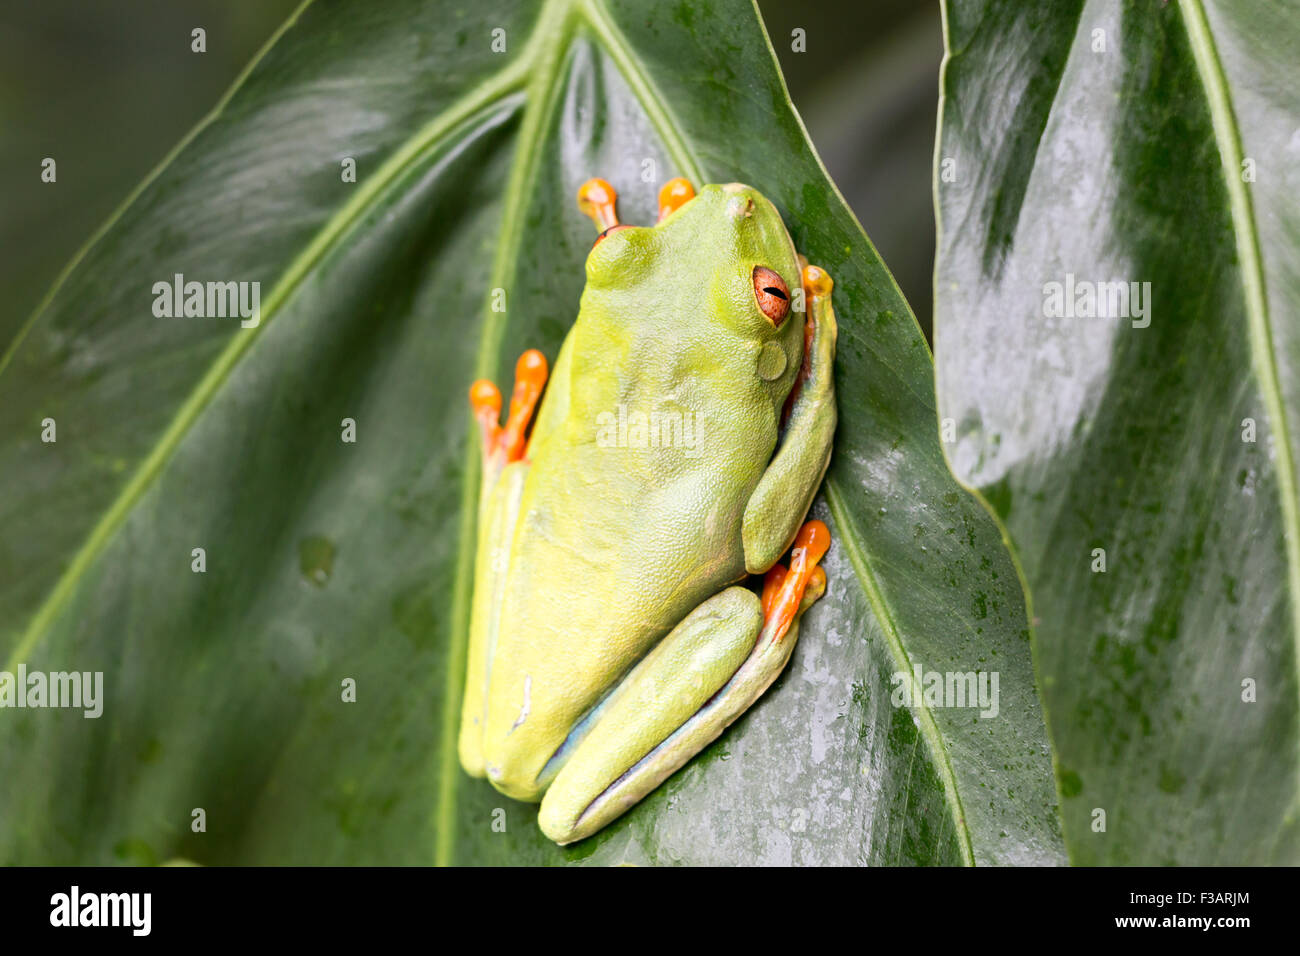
{"x": 683, "y": 694}
{"x": 504, "y": 470}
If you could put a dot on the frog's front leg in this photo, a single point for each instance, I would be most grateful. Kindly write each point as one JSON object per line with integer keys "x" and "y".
{"x": 504, "y": 470}
{"x": 785, "y": 492}
{"x": 683, "y": 694}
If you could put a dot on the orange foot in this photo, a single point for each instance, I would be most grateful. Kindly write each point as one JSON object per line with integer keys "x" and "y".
{"x": 783, "y": 590}
{"x": 508, "y": 444}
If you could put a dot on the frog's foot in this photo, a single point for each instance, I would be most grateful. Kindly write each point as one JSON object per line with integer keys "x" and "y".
{"x": 674, "y": 194}
{"x": 682, "y": 695}
{"x": 599, "y": 200}
{"x": 503, "y": 445}
{"x": 787, "y": 593}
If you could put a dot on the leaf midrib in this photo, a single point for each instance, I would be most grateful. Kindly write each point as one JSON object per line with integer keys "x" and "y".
{"x": 544, "y": 60}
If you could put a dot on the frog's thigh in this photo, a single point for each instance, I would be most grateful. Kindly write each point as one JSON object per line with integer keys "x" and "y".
{"x": 498, "y": 515}
{"x": 680, "y": 697}
{"x": 785, "y": 492}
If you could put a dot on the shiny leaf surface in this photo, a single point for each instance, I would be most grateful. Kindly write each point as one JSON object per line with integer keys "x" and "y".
{"x": 1151, "y": 145}
{"x": 328, "y": 561}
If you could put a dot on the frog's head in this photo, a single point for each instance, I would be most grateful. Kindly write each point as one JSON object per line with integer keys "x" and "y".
{"x": 721, "y": 261}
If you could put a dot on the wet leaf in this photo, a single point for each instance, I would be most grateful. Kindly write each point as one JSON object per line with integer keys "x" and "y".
{"x": 334, "y": 567}
{"x": 1152, "y": 431}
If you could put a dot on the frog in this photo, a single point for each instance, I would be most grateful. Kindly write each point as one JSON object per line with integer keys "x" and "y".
{"x": 635, "y": 496}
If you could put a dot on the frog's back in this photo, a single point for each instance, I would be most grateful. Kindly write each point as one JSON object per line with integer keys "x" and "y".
{"x": 631, "y": 516}
{"x": 660, "y": 421}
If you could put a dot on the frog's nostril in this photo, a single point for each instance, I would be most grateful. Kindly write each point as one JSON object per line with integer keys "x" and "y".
{"x": 741, "y": 207}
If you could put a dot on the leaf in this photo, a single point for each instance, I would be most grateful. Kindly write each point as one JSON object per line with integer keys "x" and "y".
{"x": 1170, "y": 679}
{"x": 328, "y": 561}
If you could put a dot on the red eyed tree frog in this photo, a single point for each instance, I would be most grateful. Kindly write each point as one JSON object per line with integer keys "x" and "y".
{"x": 684, "y": 433}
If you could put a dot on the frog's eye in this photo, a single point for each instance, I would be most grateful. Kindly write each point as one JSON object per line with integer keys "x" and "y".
{"x": 771, "y": 294}
{"x": 606, "y": 233}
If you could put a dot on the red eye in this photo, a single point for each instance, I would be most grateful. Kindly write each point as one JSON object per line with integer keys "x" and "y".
{"x": 771, "y": 294}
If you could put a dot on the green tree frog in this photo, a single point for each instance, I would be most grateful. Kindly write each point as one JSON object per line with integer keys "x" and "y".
{"x": 683, "y": 435}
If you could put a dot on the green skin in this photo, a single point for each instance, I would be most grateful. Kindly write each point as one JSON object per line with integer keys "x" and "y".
{"x": 603, "y": 625}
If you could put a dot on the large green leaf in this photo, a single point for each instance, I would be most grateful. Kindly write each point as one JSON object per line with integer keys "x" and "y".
{"x": 1150, "y": 143}
{"x": 328, "y": 560}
